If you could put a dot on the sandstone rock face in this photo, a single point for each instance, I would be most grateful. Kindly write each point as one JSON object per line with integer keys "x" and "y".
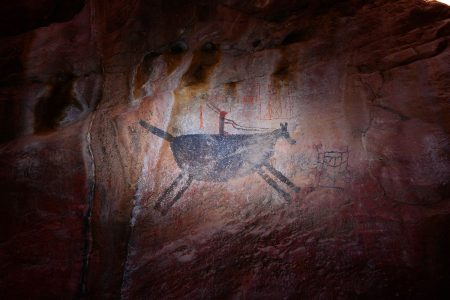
{"x": 362, "y": 85}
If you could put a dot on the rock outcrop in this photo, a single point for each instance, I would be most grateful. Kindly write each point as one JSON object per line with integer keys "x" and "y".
{"x": 362, "y": 85}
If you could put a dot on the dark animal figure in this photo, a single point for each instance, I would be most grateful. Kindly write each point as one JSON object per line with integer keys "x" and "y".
{"x": 218, "y": 157}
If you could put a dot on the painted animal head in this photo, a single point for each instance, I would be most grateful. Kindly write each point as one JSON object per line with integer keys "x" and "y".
{"x": 285, "y": 134}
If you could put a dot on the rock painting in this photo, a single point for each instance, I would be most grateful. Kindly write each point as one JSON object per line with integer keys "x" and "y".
{"x": 220, "y": 157}
{"x": 332, "y": 169}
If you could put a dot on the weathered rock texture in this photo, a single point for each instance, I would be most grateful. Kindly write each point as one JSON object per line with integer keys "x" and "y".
{"x": 363, "y": 86}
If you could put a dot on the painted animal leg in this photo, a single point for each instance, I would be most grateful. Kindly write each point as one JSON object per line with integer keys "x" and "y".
{"x": 178, "y": 195}
{"x": 168, "y": 191}
{"x": 273, "y": 184}
{"x": 282, "y": 178}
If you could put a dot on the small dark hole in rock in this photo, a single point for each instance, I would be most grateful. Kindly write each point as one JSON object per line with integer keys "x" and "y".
{"x": 209, "y": 47}
{"x": 256, "y": 43}
{"x": 178, "y": 47}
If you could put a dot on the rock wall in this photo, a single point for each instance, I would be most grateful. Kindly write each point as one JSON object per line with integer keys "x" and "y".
{"x": 362, "y": 85}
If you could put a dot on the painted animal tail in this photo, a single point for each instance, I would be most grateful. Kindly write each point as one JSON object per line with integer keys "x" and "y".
{"x": 156, "y": 131}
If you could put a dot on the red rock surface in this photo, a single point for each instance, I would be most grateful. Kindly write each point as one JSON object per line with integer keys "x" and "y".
{"x": 363, "y": 82}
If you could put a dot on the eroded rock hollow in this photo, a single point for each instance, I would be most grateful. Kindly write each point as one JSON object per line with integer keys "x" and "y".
{"x": 224, "y": 149}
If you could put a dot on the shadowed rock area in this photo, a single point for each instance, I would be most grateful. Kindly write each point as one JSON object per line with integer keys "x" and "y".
{"x": 225, "y": 149}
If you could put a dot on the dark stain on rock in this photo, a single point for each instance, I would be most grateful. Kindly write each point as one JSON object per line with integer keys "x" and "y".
{"x": 422, "y": 16}
{"x": 174, "y": 55}
{"x": 201, "y": 66}
{"x": 366, "y": 68}
{"x": 10, "y": 71}
{"x": 279, "y": 12}
{"x": 17, "y": 18}
{"x": 256, "y": 43}
{"x": 441, "y": 47}
{"x": 324, "y": 6}
{"x": 121, "y": 17}
{"x": 282, "y": 70}
{"x": 443, "y": 31}
{"x": 231, "y": 89}
{"x": 172, "y": 61}
{"x": 232, "y": 85}
{"x": 143, "y": 72}
{"x": 50, "y": 111}
{"x": 297, "y": 36}
{"x": 205, "y": 11}
{"x": 9, "y": 127}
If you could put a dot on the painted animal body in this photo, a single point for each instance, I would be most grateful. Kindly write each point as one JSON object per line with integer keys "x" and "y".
{"x": 221, "y": 157}
{"x": 218, "y": 158}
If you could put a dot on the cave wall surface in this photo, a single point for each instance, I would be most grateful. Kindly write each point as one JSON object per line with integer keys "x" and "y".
{"x": 362, "y": 85}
